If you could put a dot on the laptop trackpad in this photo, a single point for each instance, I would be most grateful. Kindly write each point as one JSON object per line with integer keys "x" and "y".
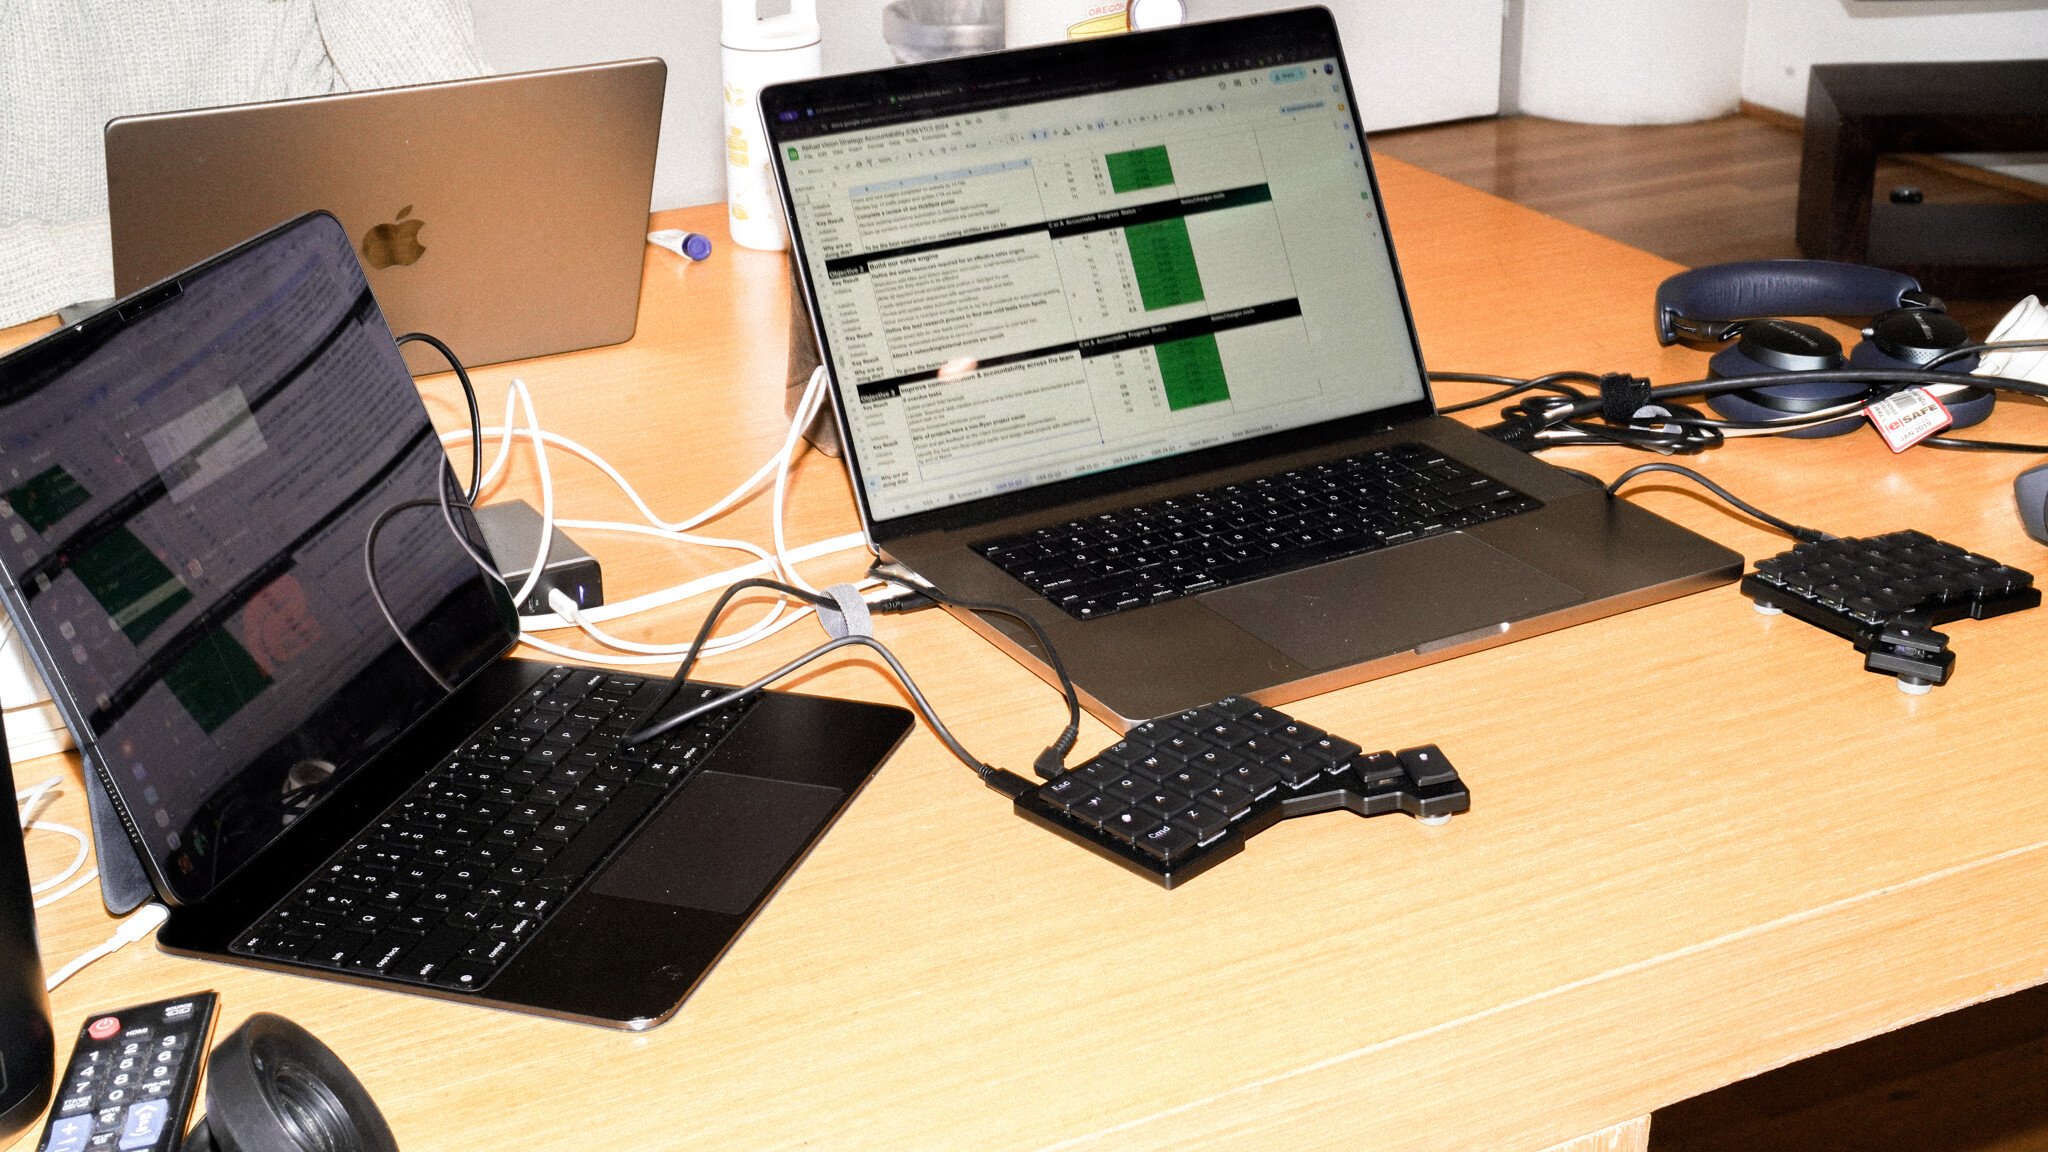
{"x": 721, "y": 843}
{"x": 1382, "y": 603}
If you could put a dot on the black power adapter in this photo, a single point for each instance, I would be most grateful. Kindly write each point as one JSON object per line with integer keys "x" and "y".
{"x": 512, "y": 533}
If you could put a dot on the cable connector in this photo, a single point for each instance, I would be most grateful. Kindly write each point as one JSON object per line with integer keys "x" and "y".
{"x": 1050, "y": 762}
{"x": 145, "y": 920}
{"x": 902, "y": 602}
{"x": 1517, "y": 434}
{"x": 1007, "y": 782}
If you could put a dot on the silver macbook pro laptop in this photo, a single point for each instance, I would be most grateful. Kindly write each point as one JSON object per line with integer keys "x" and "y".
{"x": 506, "y": 215}
{"x": 1117, "y": 340}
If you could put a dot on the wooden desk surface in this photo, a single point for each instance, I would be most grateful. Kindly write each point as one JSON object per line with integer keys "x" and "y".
{"x": 1704, "y": 842}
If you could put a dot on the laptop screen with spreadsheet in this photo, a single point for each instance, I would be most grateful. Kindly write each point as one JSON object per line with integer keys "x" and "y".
{"x": 1019, "y": 283}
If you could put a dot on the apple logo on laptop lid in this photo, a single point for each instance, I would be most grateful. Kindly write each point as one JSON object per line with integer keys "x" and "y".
{"x": 396, "y": 243}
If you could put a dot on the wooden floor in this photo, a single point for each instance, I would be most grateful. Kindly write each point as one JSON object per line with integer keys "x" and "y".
{"x": 1694, "y": 193}
{"x": 1972, "y": 1081}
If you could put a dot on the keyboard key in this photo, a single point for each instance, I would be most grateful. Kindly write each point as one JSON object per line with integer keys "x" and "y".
{"x": 1130, "y": 824}
{"x": 1232, "y": 800}
{"x": 1066, "y": 791}
{"x": 1166, "y": 842}
{"x": 1426, "y": 765}
{"x": 1202, "y": 820}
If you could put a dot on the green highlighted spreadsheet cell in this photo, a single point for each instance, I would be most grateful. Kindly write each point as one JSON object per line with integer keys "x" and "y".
{"x": 1139, "y": 169}
{"x": 1192, "y": 371}
{"x": 1164, "y": 262}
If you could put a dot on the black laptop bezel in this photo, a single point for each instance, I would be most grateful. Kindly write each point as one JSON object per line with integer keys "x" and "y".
{"x": 933, "y": 89}
{"x": 63, "y": 346}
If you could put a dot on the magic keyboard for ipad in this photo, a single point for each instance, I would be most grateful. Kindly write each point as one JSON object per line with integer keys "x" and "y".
{"x": 1240, "y": 532}
{"x": 1886, "y": 593}
{"x": 1179, "y": 794}
{"x": 456, "y": 876}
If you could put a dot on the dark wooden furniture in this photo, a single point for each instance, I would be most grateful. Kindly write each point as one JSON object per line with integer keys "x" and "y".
{"x": 1854, "y": 112}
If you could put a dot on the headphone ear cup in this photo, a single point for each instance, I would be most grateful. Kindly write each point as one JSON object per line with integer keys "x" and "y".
{"x": 1910, "y": 338}
{"x": 1771, "y": 346}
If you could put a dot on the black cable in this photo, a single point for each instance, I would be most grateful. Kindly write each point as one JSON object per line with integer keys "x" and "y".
{"x": 981, "y": 767}
{"x": 441, "y": 480}
{"x": 1988, "y": 346}
{"x": 1511, "y": 387}
{"x": 1053, "y": 758}
{"x": 377, "y": 592}
{"x": 649, "y": 732}
{"x": 1785, "y": 526}
{"x": 476, "y": 417}
{"x": 1965, "y": 445}
{"x": 1526, "y": 424}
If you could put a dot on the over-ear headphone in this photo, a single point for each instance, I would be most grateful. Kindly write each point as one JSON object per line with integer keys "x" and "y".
{"x": 1909, "y": 328}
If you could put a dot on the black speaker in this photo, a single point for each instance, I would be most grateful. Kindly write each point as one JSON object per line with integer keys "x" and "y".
{"x": 27, "y": 1051}
{"x": 274, "y": 1087}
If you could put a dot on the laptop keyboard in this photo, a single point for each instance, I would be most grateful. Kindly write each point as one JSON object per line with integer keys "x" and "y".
{"x": 1240, "y": 532}
{"x": 460, "y": 873}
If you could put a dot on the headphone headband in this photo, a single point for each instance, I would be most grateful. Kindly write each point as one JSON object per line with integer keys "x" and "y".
{"x": 1701, "y": 303}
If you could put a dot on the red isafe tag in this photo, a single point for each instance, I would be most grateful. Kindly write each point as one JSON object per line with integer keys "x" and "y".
{"x": 1906, "y": 418}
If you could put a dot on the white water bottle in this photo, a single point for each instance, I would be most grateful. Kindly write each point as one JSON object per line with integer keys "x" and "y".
{"x": 757, "y": 52}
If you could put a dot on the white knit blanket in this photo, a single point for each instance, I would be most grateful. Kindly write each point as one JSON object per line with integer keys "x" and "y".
{"x": 68, "y": 66}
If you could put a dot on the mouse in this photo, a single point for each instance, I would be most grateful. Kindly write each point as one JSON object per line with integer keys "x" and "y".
{"x": 2030, "y": 490}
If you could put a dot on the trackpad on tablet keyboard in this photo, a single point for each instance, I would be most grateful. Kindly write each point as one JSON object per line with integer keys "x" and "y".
{"x": 720, "y": 843}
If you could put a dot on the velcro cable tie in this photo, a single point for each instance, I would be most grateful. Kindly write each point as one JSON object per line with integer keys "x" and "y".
{"x": 1622, "y": 396}
{"x": 851, "y": 618}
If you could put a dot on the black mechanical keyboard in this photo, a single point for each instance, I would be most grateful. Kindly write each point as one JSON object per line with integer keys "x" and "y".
{"x": 1180, "y": 794}
{"x": 1240, "y": 532}
{"x": 1885, "y": 594}
{"x": 458, "y": 874}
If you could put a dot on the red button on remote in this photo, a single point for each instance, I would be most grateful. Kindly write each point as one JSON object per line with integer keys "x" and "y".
{"x": 104, "y": 1027}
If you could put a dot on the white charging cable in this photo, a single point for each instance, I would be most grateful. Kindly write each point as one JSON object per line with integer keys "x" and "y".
{"x": 781, "y": 561}
{"x": 75, "y": 875}
{"x": 140, "y": 923}
{"x": 783, "y": 564}
{"x": 806, "y": 412}
{"x": 518, "y": 392}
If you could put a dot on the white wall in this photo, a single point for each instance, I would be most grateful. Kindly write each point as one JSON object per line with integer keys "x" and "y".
{"x": 1413, "y": 63}
{"x": 1785, "y": 37}
{"x": 1630, "y": 61}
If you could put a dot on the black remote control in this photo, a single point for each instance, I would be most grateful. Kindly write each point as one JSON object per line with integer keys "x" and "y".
{"x": 131, "y": 1079}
